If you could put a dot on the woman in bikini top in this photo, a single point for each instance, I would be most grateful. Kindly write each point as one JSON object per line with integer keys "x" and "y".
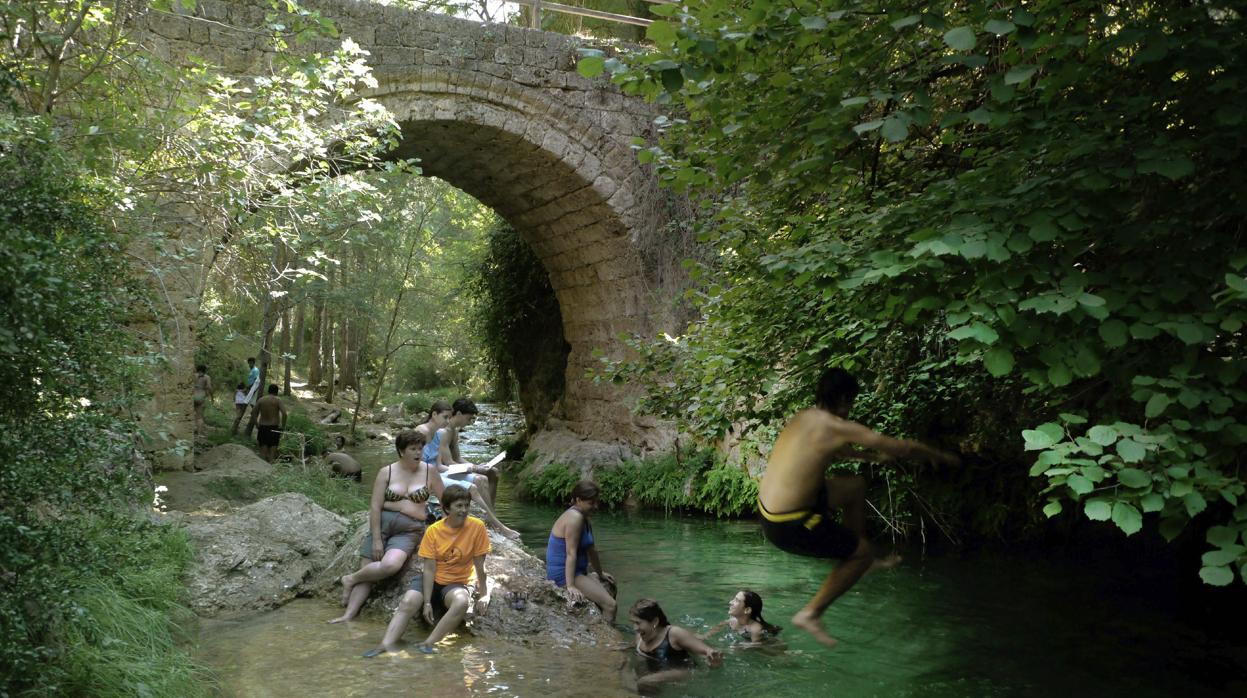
{"x": 396, "y": 515}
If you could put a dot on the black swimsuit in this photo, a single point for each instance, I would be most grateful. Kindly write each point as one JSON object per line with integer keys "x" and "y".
{"x": 809, "y": 532}
{"x": 664, "y": 655}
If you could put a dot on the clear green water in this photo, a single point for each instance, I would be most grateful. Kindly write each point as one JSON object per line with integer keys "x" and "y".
{"x": 982, "y": 625}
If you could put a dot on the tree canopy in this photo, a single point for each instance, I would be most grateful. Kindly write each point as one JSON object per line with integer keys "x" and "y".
{"x": 1022, "y": 214}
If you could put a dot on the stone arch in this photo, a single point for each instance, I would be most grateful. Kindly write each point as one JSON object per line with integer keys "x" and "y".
{"x": 500, "y": 112}
{"x": 573, "y": 193}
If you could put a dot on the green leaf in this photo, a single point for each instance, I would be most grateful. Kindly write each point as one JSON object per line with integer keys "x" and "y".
{"x": 661, "y": 33}
{"x": 1131, "y": 451}
{"x": 977, "y": 331}
{"x": 960, "y": 39}
{"x": 1054, "y": 431}
{"x": 1217, "y": 576}
{"x": 1059, "y": 376}
{"x": 1173, "y": 168}
{"x": 1019, "y": 73}
{"x": 999, "y": 27}
{"x": 1157, "y": 405}
{"x": 894, "y": 129}
{"x": 591, "y": 66}
{"x": 1171, "y": 527}
{"x": 1036, "y": 440}
{"x": 1052, "y": 508}
{"x": 1152, "y": 502}
{"x": 1222, "y": 556}
{"x": 672, "y": 80}
{"x": 1102, "y": 434}
{"x": 1195, "y": 503}
{"x": 1090, "y": 300}
{"x": 1114, "y": 333}
{"x": 1127, "y": 518}
{"x": 1237, "y": 283}
{"x": 903, "y": 22}
{"x": 1222, "y": 536}
{"x": 1133, "y": 477}
{"x": 1079, "y": 484}
{"x": 999, "y": 361}
{"x": 1097, "y": 510}
{"x": 1069, "y": 418}
{"x": 814, "y": 23}
{"x": 867, "y": 126}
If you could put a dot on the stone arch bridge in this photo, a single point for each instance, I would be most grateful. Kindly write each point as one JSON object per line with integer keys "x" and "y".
{"x": 500, "y": 112}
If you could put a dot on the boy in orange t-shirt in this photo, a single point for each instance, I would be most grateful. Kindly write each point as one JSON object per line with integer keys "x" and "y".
{"x": 453, "y": 553}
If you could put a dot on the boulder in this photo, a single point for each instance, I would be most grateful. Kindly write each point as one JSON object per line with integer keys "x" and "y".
{"x": 524, "y": 606}
{"x": 565, "y": 446}
{"x": 260, "y": 556}
{"x": 230, "y": 457}
{"x": 230, "y": 471}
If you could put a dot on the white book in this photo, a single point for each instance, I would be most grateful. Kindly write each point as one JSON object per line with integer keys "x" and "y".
{"x": 465, "y": 467}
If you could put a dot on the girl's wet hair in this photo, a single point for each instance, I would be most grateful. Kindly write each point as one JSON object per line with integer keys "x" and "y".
{"x": 753, "y": 602}
{"x": 439, "y": 406}
{"x": 649, "y": 610}
{"x": 586, "y": 490}
{"x": 406, "y": 438}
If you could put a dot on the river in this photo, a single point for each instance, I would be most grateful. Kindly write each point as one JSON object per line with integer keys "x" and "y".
{"x": 984, "y": 624}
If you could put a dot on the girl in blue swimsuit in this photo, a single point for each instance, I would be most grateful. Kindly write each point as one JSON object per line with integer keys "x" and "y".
{"x": 570, "y": 550}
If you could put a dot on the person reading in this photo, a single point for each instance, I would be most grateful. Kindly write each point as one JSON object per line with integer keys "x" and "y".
{"x": 797, "y": 502}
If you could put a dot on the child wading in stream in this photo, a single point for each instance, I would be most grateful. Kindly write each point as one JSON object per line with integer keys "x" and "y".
{"x": 797, "y": 504}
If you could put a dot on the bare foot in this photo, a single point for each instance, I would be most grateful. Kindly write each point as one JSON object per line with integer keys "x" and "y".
{"x": 346, "y": 588}
{"x": 814, "y": 626}
{"x": 510, "y": 533}
{"x": 884, "y": 563}
{"x": 339, "y": 619}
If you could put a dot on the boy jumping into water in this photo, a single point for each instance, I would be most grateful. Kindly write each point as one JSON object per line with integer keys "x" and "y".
{"x": 796, "y": 502}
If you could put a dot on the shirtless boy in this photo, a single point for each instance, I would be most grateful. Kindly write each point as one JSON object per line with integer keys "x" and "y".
{"x": 797, "y": 503}
{"x": 270, "y": 422}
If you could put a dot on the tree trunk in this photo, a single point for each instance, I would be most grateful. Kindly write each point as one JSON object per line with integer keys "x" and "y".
{"x": 386, "y": 351}
{"x": 271, "y": 314}
{"x": 298, "y": 327}
{"x": 348, "y": 350}
{"x": 285, "y": 349}
{"x": 314, "y": 350}
{"x": 327, "y": 348}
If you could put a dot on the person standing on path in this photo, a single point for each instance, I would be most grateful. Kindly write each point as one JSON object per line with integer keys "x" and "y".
{"x": 271, "y": 421}
{"x": 201, "y": 393}
{"x": 797, "y": 502}
{"x": 252, "y": 383}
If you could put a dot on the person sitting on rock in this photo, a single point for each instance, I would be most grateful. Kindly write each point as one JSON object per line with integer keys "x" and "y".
{"x": 462, "y": 415}
{"x": 342, "y": 464}
{"x": 570, "y": 550}
{"x": 436, "y": 428}
{"x": 396, "y": 520}
{"x": 453, "y": 556}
